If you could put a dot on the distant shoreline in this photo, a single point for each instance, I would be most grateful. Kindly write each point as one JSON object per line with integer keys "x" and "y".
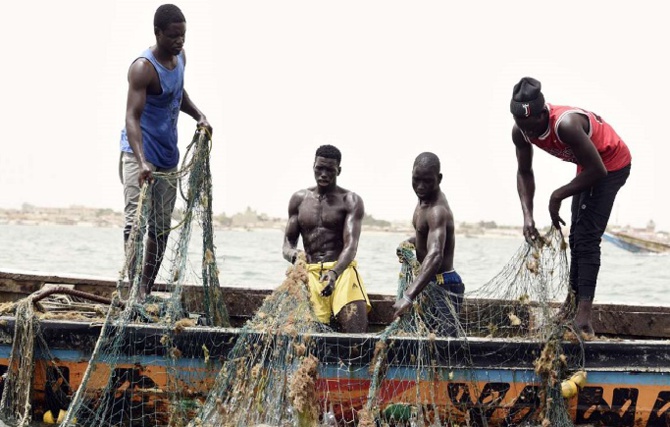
{"x": 82, "y": 216}
{"x": 503, "y": 233}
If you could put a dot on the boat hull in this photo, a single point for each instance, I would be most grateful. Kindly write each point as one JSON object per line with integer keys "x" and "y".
{"x": 636, "y": 244}
{"x": 613, "y": 320}
{"x": 628, "y": 381}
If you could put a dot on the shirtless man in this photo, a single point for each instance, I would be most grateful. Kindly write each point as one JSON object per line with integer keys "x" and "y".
{"x": 434, "y": 242}
{"x": 328, "y": 218}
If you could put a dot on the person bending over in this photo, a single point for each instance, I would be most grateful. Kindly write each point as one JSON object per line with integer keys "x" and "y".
{"x": 603, "y": 164}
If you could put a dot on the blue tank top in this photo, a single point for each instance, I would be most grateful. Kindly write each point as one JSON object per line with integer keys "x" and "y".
{"x": 159, "y": 118}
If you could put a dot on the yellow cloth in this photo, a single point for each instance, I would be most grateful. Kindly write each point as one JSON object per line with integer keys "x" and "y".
{"x": 348, "y": 288}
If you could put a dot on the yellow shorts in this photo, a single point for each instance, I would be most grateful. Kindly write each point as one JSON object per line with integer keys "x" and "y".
{"x": 348, "y": 288}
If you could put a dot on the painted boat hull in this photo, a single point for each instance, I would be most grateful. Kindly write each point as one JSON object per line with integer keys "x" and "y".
{"x": 636, "y": 244}
{"x": 628, "y": 381}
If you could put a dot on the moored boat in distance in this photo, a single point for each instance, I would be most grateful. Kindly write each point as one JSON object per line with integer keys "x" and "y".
{"x": 635, "y": 242}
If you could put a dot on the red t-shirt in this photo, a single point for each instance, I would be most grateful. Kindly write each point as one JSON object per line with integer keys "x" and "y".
{"x": 613, "y": 151}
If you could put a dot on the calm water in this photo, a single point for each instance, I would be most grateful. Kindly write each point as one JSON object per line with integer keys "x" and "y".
{"x": 253, "y": 259}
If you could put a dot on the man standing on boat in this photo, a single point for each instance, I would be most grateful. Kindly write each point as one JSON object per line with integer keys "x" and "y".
{"x": 329, "y": 219}
{"x": 156, "y": 95}
{"x": 603, "y": 165}
{"x": 434, "y": 243}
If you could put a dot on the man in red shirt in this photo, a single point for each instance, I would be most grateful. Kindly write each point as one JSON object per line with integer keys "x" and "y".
{"x": 603, "y": 165}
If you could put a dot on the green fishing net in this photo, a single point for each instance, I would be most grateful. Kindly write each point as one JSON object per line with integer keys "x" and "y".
{"x": 501, "y": 354}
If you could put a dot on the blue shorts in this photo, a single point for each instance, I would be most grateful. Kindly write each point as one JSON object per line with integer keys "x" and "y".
{"x": 443, "y": 305}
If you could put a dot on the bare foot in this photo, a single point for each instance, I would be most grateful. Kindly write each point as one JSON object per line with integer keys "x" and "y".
{"x": 583, "y": 319}
{"x": 567, "y": 309}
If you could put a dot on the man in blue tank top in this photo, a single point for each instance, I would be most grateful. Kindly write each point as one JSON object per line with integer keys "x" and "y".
{"x": 156, "y": 95}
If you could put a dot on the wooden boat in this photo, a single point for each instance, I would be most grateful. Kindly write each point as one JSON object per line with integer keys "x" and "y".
{"x": 636, "y": 242}
{"x": 628, "y": 366}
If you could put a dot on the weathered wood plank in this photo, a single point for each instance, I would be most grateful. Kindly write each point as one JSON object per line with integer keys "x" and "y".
{"x": 615, "y": 320}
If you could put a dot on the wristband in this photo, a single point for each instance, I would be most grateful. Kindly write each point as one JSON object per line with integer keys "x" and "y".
{"x": 336, "y": 275}
{"x": 408, "y": 299}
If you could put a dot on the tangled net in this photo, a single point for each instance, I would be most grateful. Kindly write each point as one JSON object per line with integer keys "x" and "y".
{"x": 422, "y": 376}
{"x": 269, "y": 377}
{"x": 141, "y": 370}
{"x": 497, "y": 357}
{"x": 116, "y": 389}
{"x": 15, "y": 402}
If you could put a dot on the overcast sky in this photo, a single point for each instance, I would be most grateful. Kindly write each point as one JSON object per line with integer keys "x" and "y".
{"x": 382, "y": 80}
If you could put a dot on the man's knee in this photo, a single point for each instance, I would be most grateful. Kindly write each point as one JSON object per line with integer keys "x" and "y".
{"x": 586, "y": 245}
{"x": 586, "y": 254}
{"x": 353, "y": 317}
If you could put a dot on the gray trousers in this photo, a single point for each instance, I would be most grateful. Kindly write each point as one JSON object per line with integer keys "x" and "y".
{"x": 162, "y": 196}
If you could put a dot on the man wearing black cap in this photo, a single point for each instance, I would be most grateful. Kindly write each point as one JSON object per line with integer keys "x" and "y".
{"x": 603, "y": 165}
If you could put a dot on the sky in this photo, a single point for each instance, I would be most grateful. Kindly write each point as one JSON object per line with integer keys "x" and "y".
{"x": 382, "y": 80}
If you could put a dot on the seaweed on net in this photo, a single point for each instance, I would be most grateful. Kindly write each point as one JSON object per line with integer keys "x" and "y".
{"x": 430, "y": 379}
{"x": 138, "y": 374}
{"x": 417, "y": 376}
{"x": 269, "y": 376}
{"x": 118, "y": 388}
{"x": 414, "y": 373}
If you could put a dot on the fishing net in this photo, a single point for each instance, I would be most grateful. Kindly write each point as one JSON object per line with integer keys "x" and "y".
{"x": 270, "y": 375}
{"x": 142, "y": 370}
{"x": 33, "y": 373}
{"x": 147, "y": 364}
{"x": 519, "y": 305}
{"x": 16, "y": 398}
{"x": 497, "y": 360}
{"x": 496, "y": 357}
{"x": 500, "y": 355}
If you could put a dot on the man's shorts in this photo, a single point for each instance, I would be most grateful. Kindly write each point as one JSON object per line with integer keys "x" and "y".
{"x": 443, "y": 299}
{"x": 348, "y": 288}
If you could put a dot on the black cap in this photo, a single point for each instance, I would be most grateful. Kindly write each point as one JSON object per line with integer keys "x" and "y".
{"x": 527, "y": 98}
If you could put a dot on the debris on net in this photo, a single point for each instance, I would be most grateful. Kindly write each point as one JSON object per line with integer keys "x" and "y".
{"x": 412, "y": 363}
{"x": 143, "y": 372}
{"x": 424, "y": 377}
{"x": 138, "y": 374}
{"x": 269, "y": 377}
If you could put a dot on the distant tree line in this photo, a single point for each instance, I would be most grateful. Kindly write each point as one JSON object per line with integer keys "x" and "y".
{"x": 369, "y": 220}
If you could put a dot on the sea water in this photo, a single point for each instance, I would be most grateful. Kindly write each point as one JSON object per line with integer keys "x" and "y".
{"x": 253, "y": 259}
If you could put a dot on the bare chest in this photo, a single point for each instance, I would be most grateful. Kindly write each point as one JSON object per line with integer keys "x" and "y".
{"x": 420, "y": 222}
{"x": 326, "y": 212}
